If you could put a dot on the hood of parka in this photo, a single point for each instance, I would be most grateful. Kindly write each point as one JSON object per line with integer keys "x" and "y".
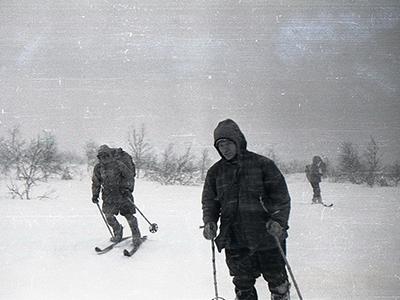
{"x": 104, "y": 149}
{"x": 316, "y": 160}
{"x": 228, "y": 129}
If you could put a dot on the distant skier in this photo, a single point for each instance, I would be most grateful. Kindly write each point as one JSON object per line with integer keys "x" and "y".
{"x": 114, "y": 176}
{"x": 314, "y": 172}
{"x": 237, "y": 191}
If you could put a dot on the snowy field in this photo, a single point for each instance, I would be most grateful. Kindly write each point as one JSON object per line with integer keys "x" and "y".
{"x": 350, "y": 251}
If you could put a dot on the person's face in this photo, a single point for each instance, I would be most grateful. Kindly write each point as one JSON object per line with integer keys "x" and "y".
{"x": 228, "y": 149}
{"x": 104, "y": 157}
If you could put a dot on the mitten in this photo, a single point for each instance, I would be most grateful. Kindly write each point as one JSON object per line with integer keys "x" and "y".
{"x": 210, "y": 230}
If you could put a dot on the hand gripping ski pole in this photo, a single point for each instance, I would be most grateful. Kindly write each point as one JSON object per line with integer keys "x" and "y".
{"x": 105, "y": 221}
{"x": 153, "y": 226}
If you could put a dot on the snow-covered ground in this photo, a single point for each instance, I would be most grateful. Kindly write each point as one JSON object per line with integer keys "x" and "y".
{"x": 350, "y": 251}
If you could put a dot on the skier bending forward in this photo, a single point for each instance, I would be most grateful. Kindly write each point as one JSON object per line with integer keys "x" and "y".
{"x": 116, "y": 182}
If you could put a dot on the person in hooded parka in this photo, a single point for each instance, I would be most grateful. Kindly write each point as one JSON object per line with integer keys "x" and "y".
{"x": 248, "y": 195}
{"x": 115, "y": 180}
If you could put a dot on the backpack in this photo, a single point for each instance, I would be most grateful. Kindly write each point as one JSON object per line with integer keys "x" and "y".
{"x": 308, "y": 172}
{"x": 122, "y": 156}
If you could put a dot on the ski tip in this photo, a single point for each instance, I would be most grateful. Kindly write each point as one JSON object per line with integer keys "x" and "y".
{"x": 126, "y": 253}
{"x": 97, "y": 249}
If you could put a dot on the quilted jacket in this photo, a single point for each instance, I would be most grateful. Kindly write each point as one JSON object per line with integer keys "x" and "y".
{"x": 243, "y": 194}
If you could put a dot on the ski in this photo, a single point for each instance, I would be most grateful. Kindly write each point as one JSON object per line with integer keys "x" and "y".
{"x": 109, "y": 247}
{"x": 135, "y": 248}
{"x": 323, "y": 204}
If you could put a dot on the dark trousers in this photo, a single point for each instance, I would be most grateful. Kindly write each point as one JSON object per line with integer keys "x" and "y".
{"x": 245, "y": 267}
{"x": 316, "y": 190}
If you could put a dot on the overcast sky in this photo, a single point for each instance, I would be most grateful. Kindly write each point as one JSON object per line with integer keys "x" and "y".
{"x": 299, "y": 77}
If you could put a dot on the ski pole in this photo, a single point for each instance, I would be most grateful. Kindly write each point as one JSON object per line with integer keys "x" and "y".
{"x": 104, "y": 218}
{"x": 153, "y": 226}
{"x": 288, "y": 267}
{"x": 282, "y": 252}
{"x": 214, "y": 269}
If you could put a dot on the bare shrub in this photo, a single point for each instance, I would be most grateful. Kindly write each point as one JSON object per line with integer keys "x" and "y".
{"x": 10, "y": 150}
{"x": 91, "y": 148}
{"x": 37, "y": 161}
{"x": 204, "y": 163}
{"x": 140, "y": 149}
{"x": 173, "y": 168}
{"x": 350, "y": 167}
{"x": 394, "y": 173}
{"x": 373, "y": 163}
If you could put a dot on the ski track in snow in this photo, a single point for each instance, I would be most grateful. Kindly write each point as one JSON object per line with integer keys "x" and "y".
{"x": 349, "y": 251}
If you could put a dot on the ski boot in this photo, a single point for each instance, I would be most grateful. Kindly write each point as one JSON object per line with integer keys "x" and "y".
{"x": 285, "y": 296}
{"x": 136, "y": 236}
{"x": 318, "y": 200}
{"x": 276, "y": 293}
{"x": 249, "y": 294}
{"x": 136, "y": 242}
{"x": 117, "y": 234}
